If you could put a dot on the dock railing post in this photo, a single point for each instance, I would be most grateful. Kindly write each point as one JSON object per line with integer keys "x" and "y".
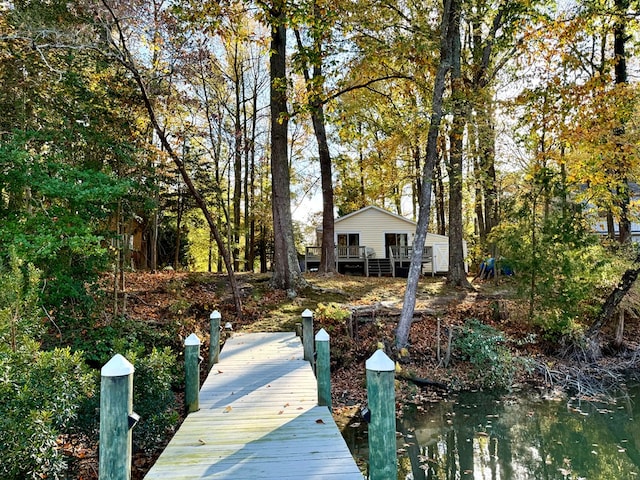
{"x": 192, "y": 373}
{"x": 214, "y": 338}
{"x": 382, "y": 425}
{"x": 116, "y": 419}
{"x": 323, "y": 368}
{"x": 307, "y": 335}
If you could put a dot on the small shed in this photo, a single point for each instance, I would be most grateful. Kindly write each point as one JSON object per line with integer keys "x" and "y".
{"x": 374, "y": 241}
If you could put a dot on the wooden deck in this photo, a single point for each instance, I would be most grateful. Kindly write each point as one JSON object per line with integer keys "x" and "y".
{"x": 258, "y": 419}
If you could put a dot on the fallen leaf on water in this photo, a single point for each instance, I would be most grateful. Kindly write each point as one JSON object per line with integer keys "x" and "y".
{"x": 320, "y": 421}
{"x": 227, "y": 409}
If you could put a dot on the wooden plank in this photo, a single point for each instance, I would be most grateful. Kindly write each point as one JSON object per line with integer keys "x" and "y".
{"x": 258, "y": 418}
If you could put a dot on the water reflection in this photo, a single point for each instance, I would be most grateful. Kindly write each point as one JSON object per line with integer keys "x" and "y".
{"x": 482, "y": 436}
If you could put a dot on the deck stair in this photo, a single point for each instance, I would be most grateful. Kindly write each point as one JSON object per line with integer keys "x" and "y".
{"x": 380, "y": 267}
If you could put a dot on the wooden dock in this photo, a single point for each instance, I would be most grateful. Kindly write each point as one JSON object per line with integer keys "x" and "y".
{"x": 258, "y": 419}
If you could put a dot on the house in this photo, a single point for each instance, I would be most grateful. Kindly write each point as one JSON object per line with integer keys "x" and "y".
{"x": 374, "y": 242}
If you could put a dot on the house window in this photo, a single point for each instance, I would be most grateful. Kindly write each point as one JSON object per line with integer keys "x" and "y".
{"x": 399, "y": 242}
{"x": 348, "y": 244}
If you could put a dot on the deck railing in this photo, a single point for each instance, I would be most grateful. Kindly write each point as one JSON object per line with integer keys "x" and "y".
{"x": 343, "y": 253}
{"x": 402, "y": 254}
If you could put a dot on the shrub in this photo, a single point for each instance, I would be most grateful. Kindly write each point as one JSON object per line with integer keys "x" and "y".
{"x": 122, "y": 334}
{"x": 40, "y": 394}
{"x": 557, "y": 270}
{"x": 153, "y": 397}
{"x": 483, "y": 346}
{"x": 19, "y": 316}
{"x": 332, "y": 316}
{"x": 40, "y": 391}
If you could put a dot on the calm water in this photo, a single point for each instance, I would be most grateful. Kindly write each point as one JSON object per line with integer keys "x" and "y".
{"x": 480, "y": 436}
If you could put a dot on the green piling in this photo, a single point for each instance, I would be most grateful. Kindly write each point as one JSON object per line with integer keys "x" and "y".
{"x": 307, "y": 335}
{"x": 192, "y": 373}
{"x": 214, "y": 339}
{"x": 382, "y": 426}
{"x": 116, "y": 406}
{"x": 323, "y": 368}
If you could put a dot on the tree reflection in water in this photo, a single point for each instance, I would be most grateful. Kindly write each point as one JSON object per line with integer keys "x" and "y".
{"x": 483, "y": 436}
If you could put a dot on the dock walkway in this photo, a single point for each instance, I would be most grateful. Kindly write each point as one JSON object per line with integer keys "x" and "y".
{"x": 258, "y": 419}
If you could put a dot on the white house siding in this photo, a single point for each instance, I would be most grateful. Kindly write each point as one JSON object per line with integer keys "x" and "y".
{"x": 371, "y": 224}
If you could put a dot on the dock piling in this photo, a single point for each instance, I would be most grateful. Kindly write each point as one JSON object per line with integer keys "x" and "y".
{"x": 323, "y": 368}
{"x": 116, "y": 408}
{"x": 307, "y": 335}
{"x": 214, "y": 338}
{"x": 192, "y": 373}
{"x": 382, "y": 426}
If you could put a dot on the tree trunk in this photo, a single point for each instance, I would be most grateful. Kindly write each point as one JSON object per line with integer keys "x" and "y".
{"x": 438, "y": 186}
{"x": 457, "y": 275}
{"x": 179, "y": 208}
{"x": 488, "y": 168}
{"x": 237, "y": 158}
{"x": 328, "y": 250}
{"x": 620, "y": 58}
{"x": 404, "y": 324}
{"x": 417, "y": 185}
{"x": 286, "y": 269}
{"x": 611, "y": 226}
{"x": 613, "y": 300}
{"x": 617, "y": 342}
{"x": 328, "y": 246}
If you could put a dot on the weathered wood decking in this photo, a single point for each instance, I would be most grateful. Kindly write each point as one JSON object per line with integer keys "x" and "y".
{"x": 258, "y": 419}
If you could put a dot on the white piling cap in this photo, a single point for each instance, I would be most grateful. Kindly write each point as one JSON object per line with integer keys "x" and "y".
{"x": 322, "y": 336}
{"x": 380, "y": 362}
{"x": 192, "y": 340}
{"x": 118, "y": 366}
{"x": 307, "y": 313}
{"x": 215, "y": 314}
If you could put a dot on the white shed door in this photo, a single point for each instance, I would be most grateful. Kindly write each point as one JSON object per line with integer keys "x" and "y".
{"x": 441, "y": 252}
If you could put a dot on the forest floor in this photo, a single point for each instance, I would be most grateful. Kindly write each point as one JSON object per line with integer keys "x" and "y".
{"x": 181, "y": 303}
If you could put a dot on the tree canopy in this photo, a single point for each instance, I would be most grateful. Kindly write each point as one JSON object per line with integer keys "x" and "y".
{"x": 155, "y": 134}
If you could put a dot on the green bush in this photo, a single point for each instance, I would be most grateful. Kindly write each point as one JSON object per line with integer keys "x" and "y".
{"x": 559, "y": 264}
{"x": 120, "y": 335}
{"x": 40, "y": 394}
{"x": 40, "y": 391}
{"x": 153, "y": 397}
{"x": 19, "y": 314}
{"x": 332, "y": 316}
{"x": 493, "y": 366}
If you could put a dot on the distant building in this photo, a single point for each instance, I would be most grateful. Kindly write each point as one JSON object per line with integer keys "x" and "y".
{"x": 375, "y": 242}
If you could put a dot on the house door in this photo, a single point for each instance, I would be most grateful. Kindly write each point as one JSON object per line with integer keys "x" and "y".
{"x": 394, "y": 240}
{"x": 348, "y": 244}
